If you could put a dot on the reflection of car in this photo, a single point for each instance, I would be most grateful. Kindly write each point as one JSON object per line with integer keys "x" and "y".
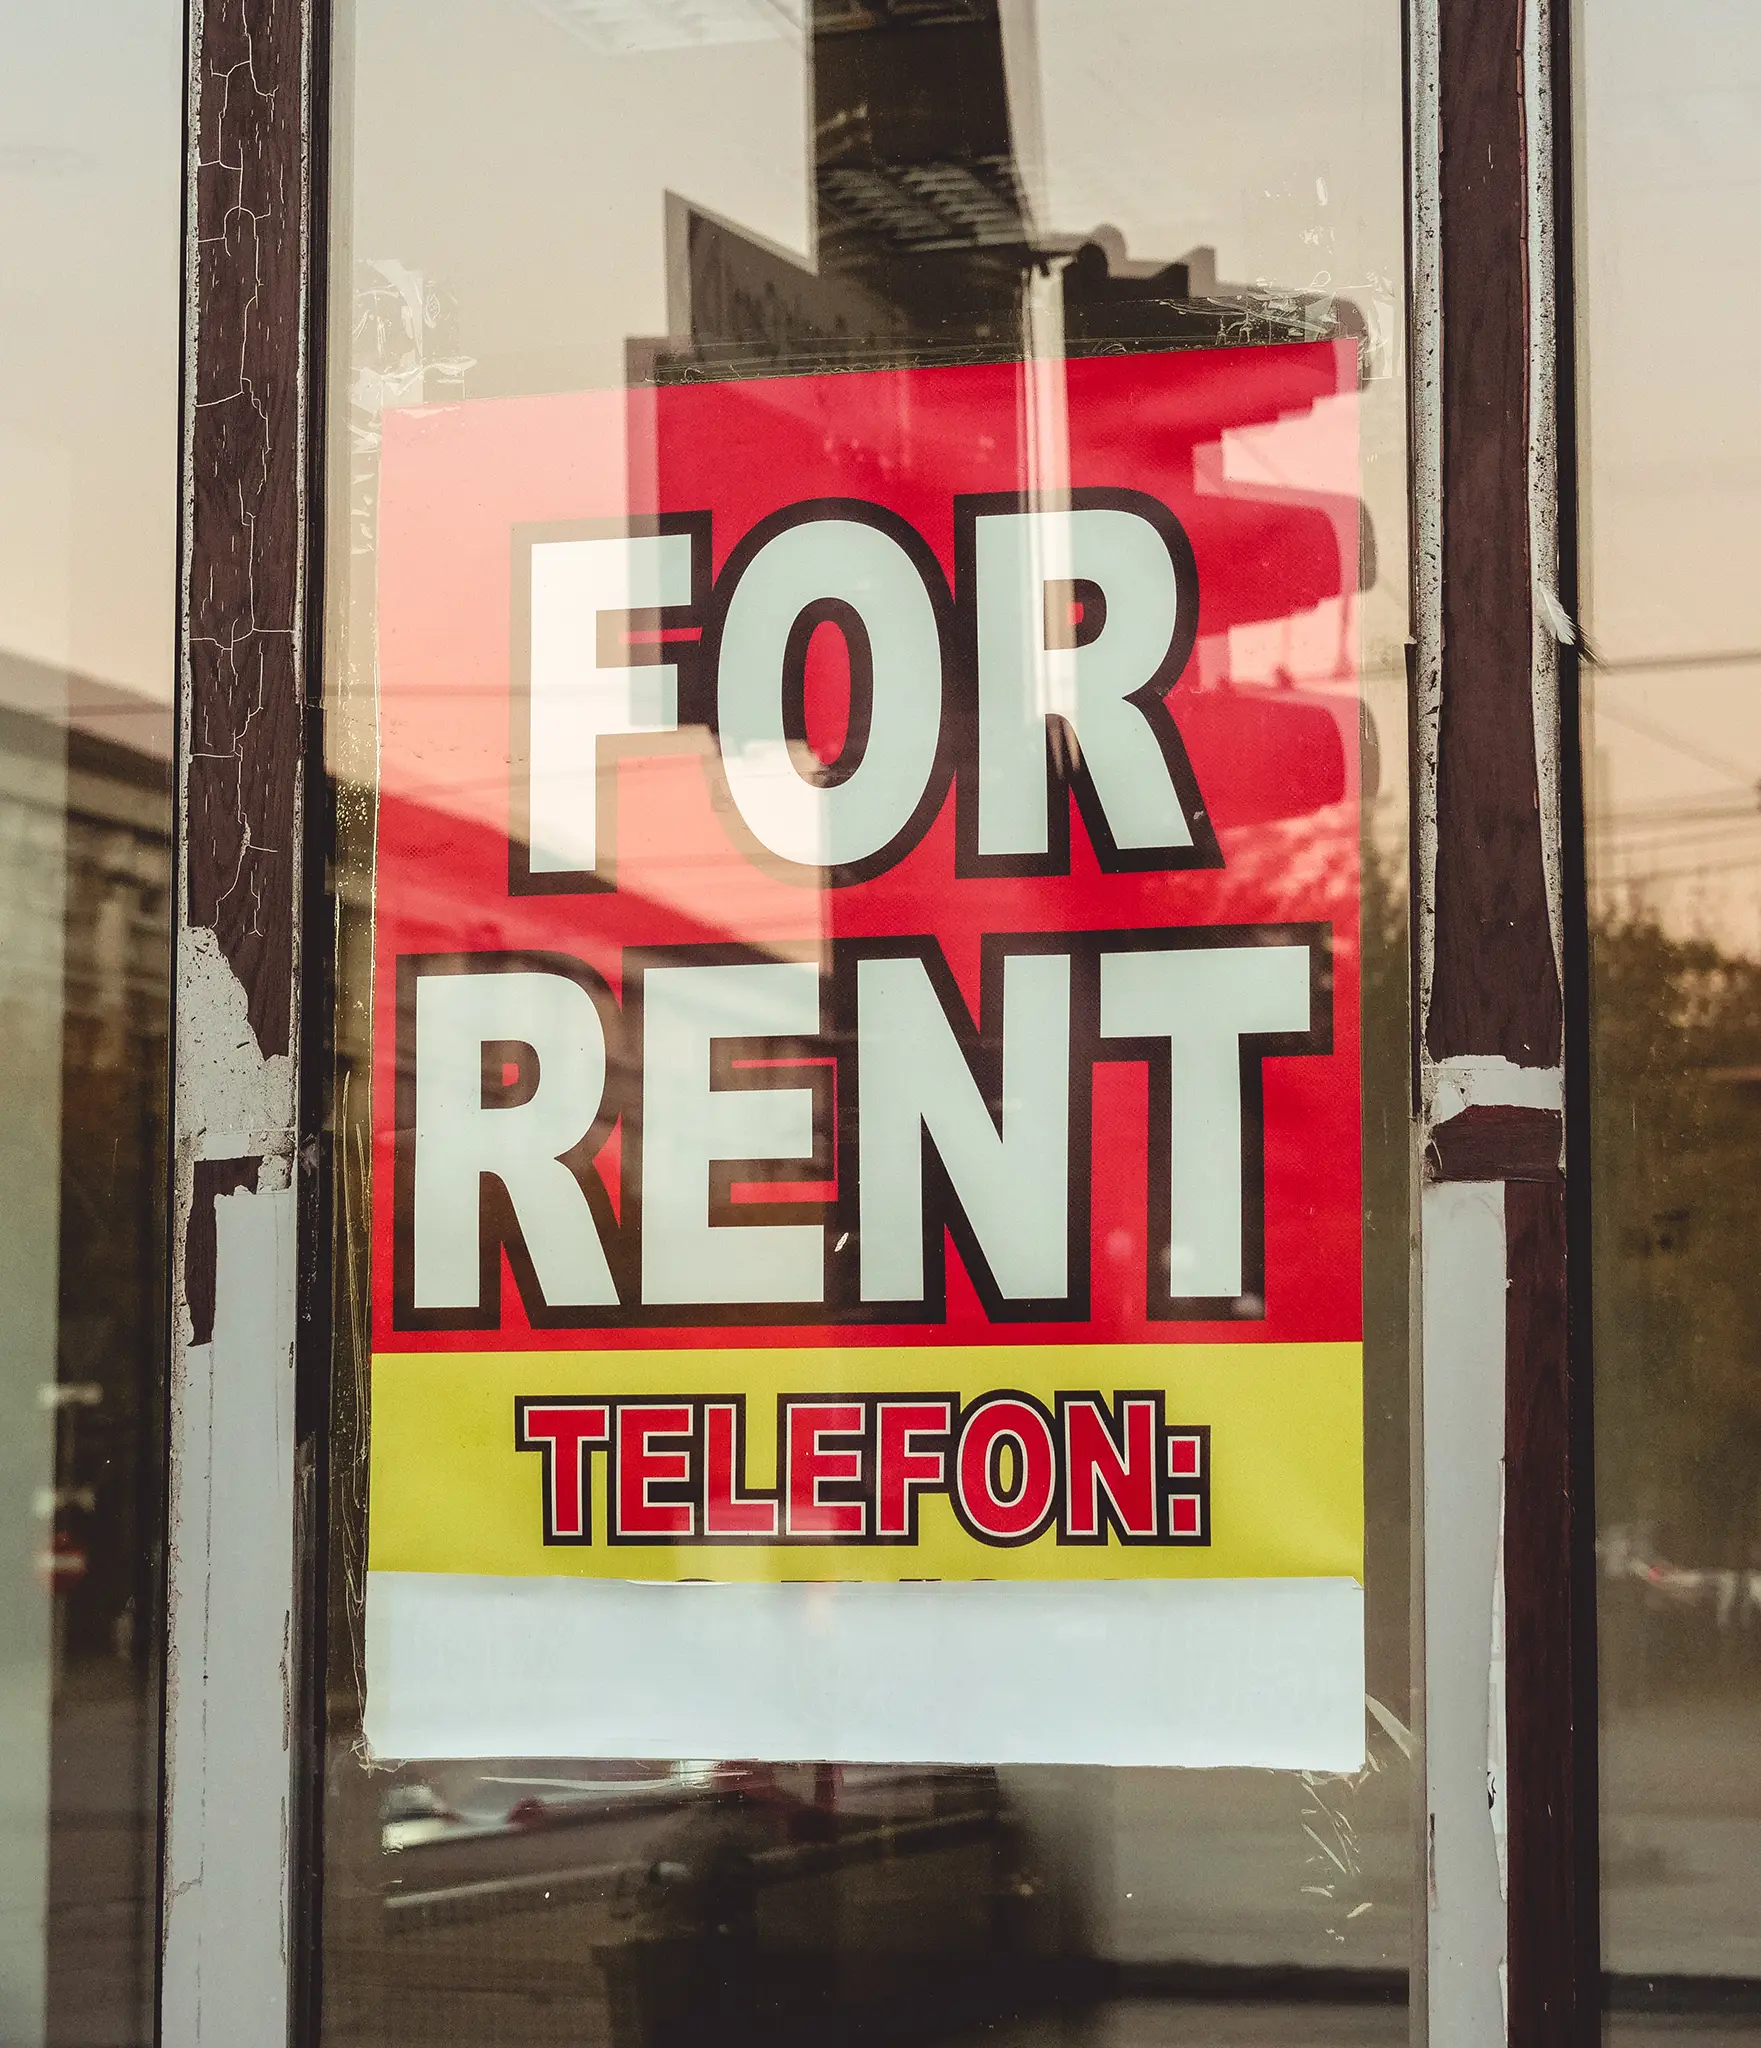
{"x": 456, "y": 1803}
{"x": 676, "y": 1896}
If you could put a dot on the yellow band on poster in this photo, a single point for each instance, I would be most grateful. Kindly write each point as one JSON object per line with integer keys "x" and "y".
{"x": 450, "y": 1492}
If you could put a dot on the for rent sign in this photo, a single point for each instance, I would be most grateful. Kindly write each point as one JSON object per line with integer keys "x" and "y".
{"x": 866, "y": 1193}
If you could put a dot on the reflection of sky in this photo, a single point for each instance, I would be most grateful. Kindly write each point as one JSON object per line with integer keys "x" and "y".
{"x": 553, "y": 238}
{"x": 559, "y": 255}
{"x": 501, "y": 154}
{"x": 1671, "y": 298}
{"x": 91, "y": 110}
{"x": 1272, "y": 135}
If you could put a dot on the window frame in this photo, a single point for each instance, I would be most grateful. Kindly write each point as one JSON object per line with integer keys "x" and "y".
{"x": 1504, "y": 1622}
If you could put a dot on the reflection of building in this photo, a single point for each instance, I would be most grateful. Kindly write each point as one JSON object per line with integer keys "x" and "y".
{"x": 926, "y": 244}
{"x": 86, "y": 903}
{"x": 927, "y": 249}
{"x": 85, "y": 882}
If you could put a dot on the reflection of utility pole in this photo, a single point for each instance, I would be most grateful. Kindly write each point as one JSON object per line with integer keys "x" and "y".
{"x": 1045, "y": 452}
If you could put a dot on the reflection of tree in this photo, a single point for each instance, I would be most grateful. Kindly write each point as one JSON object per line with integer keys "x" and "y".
{"x": 1387, "y": 1069}
{"x": 1676, "y": 1127}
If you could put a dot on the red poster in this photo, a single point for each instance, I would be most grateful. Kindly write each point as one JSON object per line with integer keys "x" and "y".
{"x": 866, "y": 1042}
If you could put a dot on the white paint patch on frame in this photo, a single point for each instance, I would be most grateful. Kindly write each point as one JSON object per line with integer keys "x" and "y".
{"x": 1464, "y": 1296}
{"x": 230, "y": 1679}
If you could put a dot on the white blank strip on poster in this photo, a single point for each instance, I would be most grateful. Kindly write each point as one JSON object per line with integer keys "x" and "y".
{"x": 1246, "y": 1672}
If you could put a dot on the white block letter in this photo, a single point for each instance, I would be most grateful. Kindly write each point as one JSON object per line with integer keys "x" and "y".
{"x": 575, "y": 703}
{"x": 687, "y": 1126}
{"x": 1024, "y": 564}
{"x": 1013, "y": 1183}
{"x": 789, "y": 808}
{"x": 1203, "y": 1001}
{"x": 458, "y": 1140}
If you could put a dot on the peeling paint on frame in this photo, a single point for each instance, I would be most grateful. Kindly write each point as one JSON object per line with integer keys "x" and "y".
{"x": 231, "y": 1677}
{"x": 1426, "y": 314}
{"x": 1551, "y": 627}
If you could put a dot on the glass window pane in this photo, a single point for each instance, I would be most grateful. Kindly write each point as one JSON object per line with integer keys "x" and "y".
{"x": 698, "y": 370}
{"x": 91, "y": 106}
{"x": 1671, "y": 481}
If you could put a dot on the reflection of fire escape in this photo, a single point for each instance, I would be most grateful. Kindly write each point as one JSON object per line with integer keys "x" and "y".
{"x": 925, "y": 247}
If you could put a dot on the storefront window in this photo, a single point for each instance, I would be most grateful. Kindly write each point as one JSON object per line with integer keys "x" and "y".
{"x": 90, "y": 111}
{"x": 866, "y": 694}
{"x": 1672, "y": 508}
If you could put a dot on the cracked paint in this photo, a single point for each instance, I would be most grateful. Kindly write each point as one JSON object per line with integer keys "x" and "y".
{"x": 231, "y": 1656}
{"x": 1491, "y": 1028}
{"x": 1552, "y": 629}
{"x": 1426, "y": 458}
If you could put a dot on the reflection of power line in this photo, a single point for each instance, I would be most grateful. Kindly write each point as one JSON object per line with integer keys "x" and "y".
{"x": 1634, "y": 722}
{"x": 1686, "y": 812}
{"x": 1739, "y": 865}
{"x": 1669, "y": 833}
{"x": 1673, "y": 862}
{"x": 1661, "y": 664}
{"x": 1713, "y": 804}
{"x": 1631, "y": 862}
{"x": 1688, "y": 832}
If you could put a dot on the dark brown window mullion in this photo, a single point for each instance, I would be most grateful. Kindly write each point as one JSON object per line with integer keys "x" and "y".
{"x": 244, "y": 1504}
{"x": 1501, "y": 909}
{"x": 249, "y": 635}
